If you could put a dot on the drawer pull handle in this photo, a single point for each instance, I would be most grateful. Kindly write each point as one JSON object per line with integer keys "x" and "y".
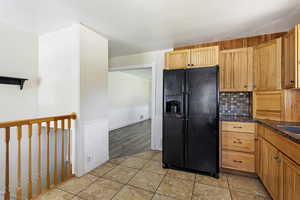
{"x": 235, "y": 142}
{"x": 237, "y": 161}
{"x": 237, "y": 127}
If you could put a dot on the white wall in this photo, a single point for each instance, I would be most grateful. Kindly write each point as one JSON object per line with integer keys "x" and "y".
{"x": 18, "y": 58}
{"x": 156, "y": 57}
{"x": 129, "y": 99}
{"x": 73, "y": 78}
{"x": 59, "y": 68}
{"x": 93, "y": 98}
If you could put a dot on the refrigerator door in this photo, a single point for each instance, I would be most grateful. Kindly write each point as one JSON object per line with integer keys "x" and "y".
{"x": 202, "y": 139}
{"x": 173, "y": 118}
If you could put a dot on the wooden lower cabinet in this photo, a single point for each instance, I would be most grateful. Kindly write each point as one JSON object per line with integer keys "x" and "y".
{"x": 238, "y": 146}
{"x": 270, "y": 168}
{"x": 289, "y": 179}
{"x": 279, "y": 173}
{"x": 258, "y": 151}
{"x": 238, "y": 161}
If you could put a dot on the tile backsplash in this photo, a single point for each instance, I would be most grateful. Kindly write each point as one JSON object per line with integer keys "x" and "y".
{"x": 235, "y": 103}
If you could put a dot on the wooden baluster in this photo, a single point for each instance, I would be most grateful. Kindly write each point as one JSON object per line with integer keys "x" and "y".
{"x": 62, "y": 150}
{"x": 7, "y": 138}
{"x": 39, "y": 180}
{"x": 29, "y": 162}
{"x": 69, "y": 149}
{"x": 19, "y": 186}
{"x": 55, "y": 154}
{"x": 48, "y": 154}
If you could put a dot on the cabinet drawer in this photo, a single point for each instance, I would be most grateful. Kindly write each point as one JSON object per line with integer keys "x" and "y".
{"x": 238, "y": 141}
{"x": 238, "y": 161}
{"x": 238, "y": 127}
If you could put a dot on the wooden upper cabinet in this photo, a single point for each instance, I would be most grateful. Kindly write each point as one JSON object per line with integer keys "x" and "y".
{"x": 236, "y": 70}
{"x": 192, "y": 58}
{"x": 291, "y": 56}
{"x": 267, "y": 65}
{"x": 177, "y": 59}
{"x": 289, "y": 179}
{"x": 204, "y": 57}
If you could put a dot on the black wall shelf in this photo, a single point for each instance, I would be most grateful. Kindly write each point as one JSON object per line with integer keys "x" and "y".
{"x": 12, "y": 81}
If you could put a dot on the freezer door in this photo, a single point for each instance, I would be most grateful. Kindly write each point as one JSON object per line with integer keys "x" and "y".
{"x": 202, "y": 137}
{"x": 174, "y": 82}
{"x": 173, "y": 118}
{"x": 173, "y": 141}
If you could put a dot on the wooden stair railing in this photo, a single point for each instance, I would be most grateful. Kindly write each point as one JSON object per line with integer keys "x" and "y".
{"x": 66, "y": 171}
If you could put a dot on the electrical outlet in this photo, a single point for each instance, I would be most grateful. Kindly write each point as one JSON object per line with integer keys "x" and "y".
{"x": 142, "y": 117}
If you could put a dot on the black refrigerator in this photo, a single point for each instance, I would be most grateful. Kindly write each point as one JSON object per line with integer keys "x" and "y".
{"x": 191, "y": 120}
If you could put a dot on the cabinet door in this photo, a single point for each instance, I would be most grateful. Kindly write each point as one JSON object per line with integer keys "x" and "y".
{"x": 267, "y": 65}
{"x": 289, "y": 179}
{"x": 290, "y": 59}
{"x": 258, "y": 150}
{"x": 236, "y": 69}
{"x": 268, "y": 105}
{"x": 226, "y": 71}
{"x": 177, "y": 59}
{"x": 204, "y": 57}
{"x": 270, "y": 168}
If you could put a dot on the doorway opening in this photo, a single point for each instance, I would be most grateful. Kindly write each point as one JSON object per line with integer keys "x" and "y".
{"x": 131, "y": 98}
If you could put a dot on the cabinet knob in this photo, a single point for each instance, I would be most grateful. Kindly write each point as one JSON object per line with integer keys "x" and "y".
{"x": 275, "y": 157}
{"x": 245, "y": 86}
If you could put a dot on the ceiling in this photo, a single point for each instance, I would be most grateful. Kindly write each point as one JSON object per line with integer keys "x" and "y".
{"x": 135, "y": 26}
{"x": 140, "y": 73}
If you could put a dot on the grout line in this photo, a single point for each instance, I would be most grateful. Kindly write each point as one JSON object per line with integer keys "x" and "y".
{"x": 124, "y": 185}
{"x": 194, "y": 186}
{"x": 160, "y": 183}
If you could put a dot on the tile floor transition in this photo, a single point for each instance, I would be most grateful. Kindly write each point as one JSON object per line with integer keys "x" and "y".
{"x": 141, "y": 177}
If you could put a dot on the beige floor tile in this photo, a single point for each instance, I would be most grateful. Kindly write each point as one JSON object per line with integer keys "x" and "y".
{"x": 76, "y": 198}
{"x": 244, "y": 196}
{"x": 155, "y": 167}
{"x": 134, "y": 162}
{"x": 148, "y": 155}
{"x": 146, "y": 180}
{"x": 220, "y": 182}
{"x": 103, "y": 169}
{"x": 176, "y": 188}
{"x": 246, "y": 184}
{"x": 131, "y": 193}
{"x": 76, "y": 185}
{"x": 55, "y": 194}
{"x": 102, "y": 189}
{"x": 181, "y": 174}
{"x": 158, "y": 157}
{"x": 118, "y": 161}
{"x": 207, "y": 192}
{"x": 162, "y": 197}
{"x": 121, "y": 174}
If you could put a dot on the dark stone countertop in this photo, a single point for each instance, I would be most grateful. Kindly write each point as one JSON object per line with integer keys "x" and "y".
{"x": 274, "y": 126}
{"x": 232, "y": 118}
